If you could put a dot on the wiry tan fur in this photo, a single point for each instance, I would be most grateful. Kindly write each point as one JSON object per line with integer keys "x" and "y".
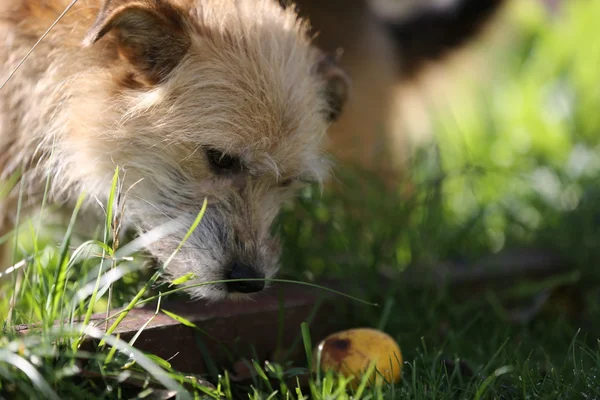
{"x": 239, "y": 76}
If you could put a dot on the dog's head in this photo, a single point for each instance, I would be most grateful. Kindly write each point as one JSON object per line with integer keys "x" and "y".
{"x": 219, "y": 99}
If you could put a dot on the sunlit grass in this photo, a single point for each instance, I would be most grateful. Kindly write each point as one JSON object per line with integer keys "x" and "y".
{"x": 514, "y": 164}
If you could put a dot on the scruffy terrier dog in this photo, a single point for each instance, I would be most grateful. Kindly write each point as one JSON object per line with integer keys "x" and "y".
{"x": 219, "y": 99}
{"x": 224, "y": 100}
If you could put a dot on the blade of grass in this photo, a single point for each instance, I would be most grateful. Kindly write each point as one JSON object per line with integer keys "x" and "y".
{"x": 274, "y": 280}
{"x": 309, "y": 320}
{"x": 499, "y": 372}
{"x": 59, "y": 275}
{"x": 280, "y": 320}
{"x": 110, "y": 227}
{"x": 495, "y": 356}
{"x": 158, "y": 373}
{"x": 385, "y": 315}
{"x": 28, "y": 369}
{"x": 307, "y": 344}
{"x": 158, "y": 273}
{"x": 262, "y": 375}
{"x": 209, "y": 363}
{"x": 139, "y": 332}
{"x": 14, "y": 278}
{"x": 112, "y": 351}
{"x": 14, "y": 71}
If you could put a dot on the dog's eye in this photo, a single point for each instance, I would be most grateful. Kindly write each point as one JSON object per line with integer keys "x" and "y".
{"x": 286, "y": 183}
{"x": 223, "y": 162}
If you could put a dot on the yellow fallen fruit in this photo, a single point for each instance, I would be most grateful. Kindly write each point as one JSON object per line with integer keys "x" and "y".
{"x": 350, "y": 353}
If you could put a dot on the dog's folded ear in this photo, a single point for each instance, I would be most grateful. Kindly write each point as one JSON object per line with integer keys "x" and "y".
{"x": 151, "y": 34}
{"x": 337, "y": 86}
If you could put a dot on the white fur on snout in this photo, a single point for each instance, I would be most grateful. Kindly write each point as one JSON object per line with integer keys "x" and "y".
{"x": 207, "y": 254}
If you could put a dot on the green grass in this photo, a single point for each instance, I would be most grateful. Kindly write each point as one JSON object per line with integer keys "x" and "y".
{"x": 515, "y": 163}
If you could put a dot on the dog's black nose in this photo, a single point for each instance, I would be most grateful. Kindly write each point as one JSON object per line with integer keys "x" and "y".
{"x": 244, "y": 271}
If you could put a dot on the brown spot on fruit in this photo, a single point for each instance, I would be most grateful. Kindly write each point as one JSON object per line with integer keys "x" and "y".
{"x": 337, "y": 349}
{"x": 341, "y": 344}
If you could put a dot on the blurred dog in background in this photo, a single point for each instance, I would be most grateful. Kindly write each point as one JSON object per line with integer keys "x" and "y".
{"x": 384, "y": 45}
